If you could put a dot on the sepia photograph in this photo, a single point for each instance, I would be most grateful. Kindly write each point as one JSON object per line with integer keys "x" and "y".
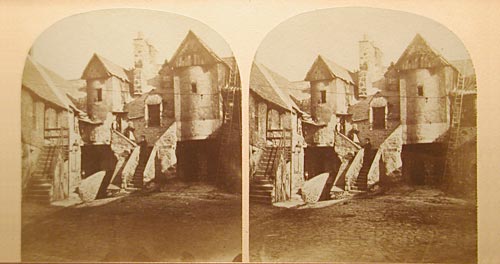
{"x": 131, "y": 141}
{"x": 362, "y": 141}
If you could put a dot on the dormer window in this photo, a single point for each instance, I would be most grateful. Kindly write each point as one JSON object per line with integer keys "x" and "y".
{"x": 420, "y": 90}
{"x": 194, "y": 88}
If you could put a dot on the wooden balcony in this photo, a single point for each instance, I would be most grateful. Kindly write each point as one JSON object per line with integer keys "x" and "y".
{"x": 55, "y": 133}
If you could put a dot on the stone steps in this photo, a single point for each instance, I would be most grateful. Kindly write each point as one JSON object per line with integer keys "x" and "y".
{"x": 39, "y": 187}
{"x": 261, "y": 187}
{"x": 264, "y": 199}
{"x": 361, "y": 183}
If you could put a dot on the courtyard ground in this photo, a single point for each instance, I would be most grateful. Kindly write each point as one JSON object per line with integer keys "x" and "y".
{"x": 182, "y": 223}
{"x": 406, "y": 224}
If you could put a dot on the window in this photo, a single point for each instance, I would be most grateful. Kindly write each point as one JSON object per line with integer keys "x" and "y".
{"x": 194, "y": 88}
{"x": 99, "y": 95}
{"x": 323, "y": 97}
{"x": 420, "y": 90}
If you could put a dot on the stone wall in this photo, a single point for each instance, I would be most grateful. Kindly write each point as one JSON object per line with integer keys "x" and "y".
{"x": 353, "y": 170}
{"x": 373, "y": 175}
{"x": 164, "y": 151}
{"x": 257, "y": 121}
{"x": 122, "y": 148}
{"x": 324, "y": 113}
{"x": 390, "y": 151}
{"x": 425, "y": 118}
{"x": 346, "y": 150}
{"x": 130, "y": 166}
{"x": 32, "y": 129}
{"x": 198, "y": 110}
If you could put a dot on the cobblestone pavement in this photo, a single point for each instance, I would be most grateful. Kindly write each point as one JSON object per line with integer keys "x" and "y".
{"x": 181, "y": 224}
{"x": 403, "y": 225}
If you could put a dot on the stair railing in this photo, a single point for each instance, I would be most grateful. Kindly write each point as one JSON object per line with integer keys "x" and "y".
{"x": 280, "y": 160}
{"x": 58, "y": 184}
{"x": 373, "y": 171}
{"x": 150, "y": 169}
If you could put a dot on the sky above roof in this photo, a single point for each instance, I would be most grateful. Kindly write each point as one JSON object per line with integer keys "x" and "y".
{"x": 67, "y": 46}
{"x": 291, "y": 48}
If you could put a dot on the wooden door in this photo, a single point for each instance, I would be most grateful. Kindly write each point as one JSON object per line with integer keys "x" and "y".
{"x": 378, "y": 117}
{"x": 154, "y": 115}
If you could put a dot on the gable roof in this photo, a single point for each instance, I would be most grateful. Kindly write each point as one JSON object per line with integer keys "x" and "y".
{"x": 45, "y": 84}
{"x": 111, "y": 68}
{"x": 191, "y": 35}
{"x": 271, "y": 87}
{"x": 72, "y": 88}
{"x": 420, "y": 46}
{"x": 333, "y": 68}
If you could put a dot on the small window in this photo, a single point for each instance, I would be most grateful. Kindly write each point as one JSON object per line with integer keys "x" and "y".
{"x": 420, "y": 90}
{"x": 194, "y": 87}
{"x": 99, "y": 95}
{"x": 323, "y": 97}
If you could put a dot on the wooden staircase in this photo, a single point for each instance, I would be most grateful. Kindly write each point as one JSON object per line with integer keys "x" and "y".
{"x": 228, "y": 127}
{"x": 361, "y": 183}
{"x": 261, "y": 187}
{"x": 40, "y": 187}
{"x": 454, "y": 131}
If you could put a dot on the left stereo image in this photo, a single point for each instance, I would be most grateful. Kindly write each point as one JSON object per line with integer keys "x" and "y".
{"x": 131, "y": 141}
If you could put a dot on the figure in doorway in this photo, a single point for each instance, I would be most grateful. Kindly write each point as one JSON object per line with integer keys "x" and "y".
{"x": 353, "y": 134}
{"x": 368, "y": 148}
{"x": 129, "y": 131}
{"x": 143, "y": 144}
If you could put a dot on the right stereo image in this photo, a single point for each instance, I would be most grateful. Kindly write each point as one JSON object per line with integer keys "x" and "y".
{"x": 362, "y": 140}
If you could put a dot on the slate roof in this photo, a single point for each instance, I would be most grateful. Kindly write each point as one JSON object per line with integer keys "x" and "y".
{"x": 135, "y": 108}
{"x": 271, "y": 86}
{"x": 71, "y": 88}
{"x": 45, "y": 84}
{"x": 360, "y": 110}
{"x": 300, "y": 90}
{"x": 338, "y": 70}
{"x": 111, "y": 68}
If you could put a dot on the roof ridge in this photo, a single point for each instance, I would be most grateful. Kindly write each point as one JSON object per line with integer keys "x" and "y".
{"x": 346, "y": 75}
{"x": 202, "y": 43}
{"x": 63, "y": 100}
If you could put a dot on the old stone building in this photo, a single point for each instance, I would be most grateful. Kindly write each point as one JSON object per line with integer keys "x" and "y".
{"x": 49, "y": 135}
{"x": 199, "y": 77}
{"x": 332, "y": 89}
{"x": 425, "y": 81}
{"x": 276, "y": 141}
{"x": 332, "y": 92}
{"x": 146, "y": 68}
{"x": 108, "y": 90}
{"x": 370, "y": 65}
